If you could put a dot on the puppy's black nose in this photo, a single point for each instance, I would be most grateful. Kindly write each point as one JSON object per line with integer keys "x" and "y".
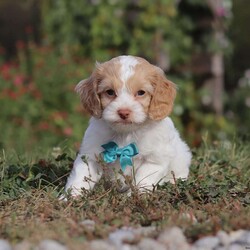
{"x": 124, "y": 113}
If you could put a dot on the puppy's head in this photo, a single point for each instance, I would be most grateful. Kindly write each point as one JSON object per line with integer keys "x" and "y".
{"x": 126, "y": 92}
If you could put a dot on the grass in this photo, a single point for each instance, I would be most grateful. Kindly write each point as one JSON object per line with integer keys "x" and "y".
{"x": 215, "y": 197}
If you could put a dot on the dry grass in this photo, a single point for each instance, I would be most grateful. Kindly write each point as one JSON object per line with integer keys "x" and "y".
{"x": 216, "y": 197}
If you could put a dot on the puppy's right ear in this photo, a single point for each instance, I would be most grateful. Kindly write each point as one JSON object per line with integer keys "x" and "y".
{"x": 87, "y": 89}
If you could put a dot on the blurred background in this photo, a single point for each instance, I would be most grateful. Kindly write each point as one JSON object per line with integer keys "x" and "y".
{"x": 48, "y": 46}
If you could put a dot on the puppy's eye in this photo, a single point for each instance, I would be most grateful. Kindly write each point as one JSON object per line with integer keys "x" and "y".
{"x": 141, "y": 93}
{"x": 110, "y": 92}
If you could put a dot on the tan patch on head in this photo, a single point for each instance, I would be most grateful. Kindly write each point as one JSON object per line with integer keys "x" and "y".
{"x": 109, "y": 73}
{"x": 140, "y": 81}
{"x": 159, "y": 91}
{"x": 92, "y": 90}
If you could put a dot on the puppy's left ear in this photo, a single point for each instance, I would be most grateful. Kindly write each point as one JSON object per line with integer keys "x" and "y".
{"x": 87, "y": 89}
{"x": 162, "y": 102}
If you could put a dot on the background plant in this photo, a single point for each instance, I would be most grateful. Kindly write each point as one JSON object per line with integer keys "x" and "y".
{"x": 44, "y": 109}
{"x": 39, "y": 106}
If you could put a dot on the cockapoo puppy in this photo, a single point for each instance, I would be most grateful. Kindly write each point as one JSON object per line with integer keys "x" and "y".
{"x": 130, "y": 101}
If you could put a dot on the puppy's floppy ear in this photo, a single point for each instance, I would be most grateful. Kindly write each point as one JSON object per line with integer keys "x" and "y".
{"x": 87, "y": 89}
{"x": 162, "y": 101}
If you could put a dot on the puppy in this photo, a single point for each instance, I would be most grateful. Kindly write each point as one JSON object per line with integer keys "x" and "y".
{"x": 130, "y": 131}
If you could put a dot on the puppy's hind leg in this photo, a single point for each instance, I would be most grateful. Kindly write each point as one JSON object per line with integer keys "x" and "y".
{"x": 179, "y": 166}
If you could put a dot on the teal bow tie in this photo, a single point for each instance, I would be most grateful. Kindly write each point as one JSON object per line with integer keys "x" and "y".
{"x": 112, "y": 152}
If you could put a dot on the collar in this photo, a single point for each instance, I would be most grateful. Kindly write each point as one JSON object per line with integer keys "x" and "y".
{"x": 112, "y": 152}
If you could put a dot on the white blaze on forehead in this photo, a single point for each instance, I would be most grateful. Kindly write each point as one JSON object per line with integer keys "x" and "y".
{"x": 127, "y": 67}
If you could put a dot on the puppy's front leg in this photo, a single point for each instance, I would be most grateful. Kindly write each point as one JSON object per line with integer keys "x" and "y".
{"x": 84, "y": 174}
{"x": 148, "y": 175}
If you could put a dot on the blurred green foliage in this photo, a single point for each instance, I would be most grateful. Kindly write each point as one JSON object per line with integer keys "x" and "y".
{"x": 42, "y": 110}
{"x": 103, "y": 29}
{"x": 38, "y": 104}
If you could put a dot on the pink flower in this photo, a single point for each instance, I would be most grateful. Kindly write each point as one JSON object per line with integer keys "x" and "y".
{"x": 5, "y": 70}
{"x": 19, "y": 80}
{"x": 43, "y": 125}
{"x": 20, "y": 44}
{"x": 67, "y": 131}
{"x": 12, "y": 95}
{"x": 220, "y": 12}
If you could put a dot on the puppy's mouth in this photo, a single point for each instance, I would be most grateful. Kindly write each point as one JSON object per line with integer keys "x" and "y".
{"x": 124, "y": 122}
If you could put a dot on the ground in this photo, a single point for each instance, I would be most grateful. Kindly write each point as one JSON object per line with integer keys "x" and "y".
{"x": 215, "y": 197}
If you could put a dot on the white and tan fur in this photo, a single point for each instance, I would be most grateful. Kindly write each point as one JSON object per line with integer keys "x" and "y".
{"x": 130, "y": 101}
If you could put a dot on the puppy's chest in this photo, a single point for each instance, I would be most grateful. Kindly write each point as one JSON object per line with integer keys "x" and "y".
{"x": 146, "y": 151}
{"x": 140, "y": 143}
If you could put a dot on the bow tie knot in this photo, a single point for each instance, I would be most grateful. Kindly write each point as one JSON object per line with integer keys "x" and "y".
{"x": 112, "y": 152}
